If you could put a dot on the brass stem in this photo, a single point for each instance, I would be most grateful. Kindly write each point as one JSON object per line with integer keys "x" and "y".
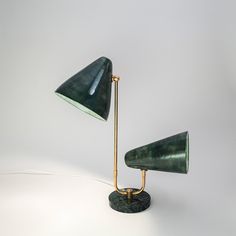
{"x": 129, "y": 191}
{"x": 115, "y": 79}
{"x": 143, "y": 183}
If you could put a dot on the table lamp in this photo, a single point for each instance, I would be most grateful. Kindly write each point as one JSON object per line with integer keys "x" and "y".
{"x": 90, "y": 91}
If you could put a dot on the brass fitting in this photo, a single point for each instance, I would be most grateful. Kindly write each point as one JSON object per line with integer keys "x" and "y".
{"x": 129, "y": 193}
{"x": 115, "y": 78}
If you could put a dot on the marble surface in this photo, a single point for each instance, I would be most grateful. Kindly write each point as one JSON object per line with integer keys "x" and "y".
{"x": 137, "y": 203}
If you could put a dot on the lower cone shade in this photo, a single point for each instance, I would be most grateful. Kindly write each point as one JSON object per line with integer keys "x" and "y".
{"x": 170, "y": 154}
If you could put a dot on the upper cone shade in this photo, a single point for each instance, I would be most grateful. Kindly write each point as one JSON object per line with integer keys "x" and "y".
{"x": 90, "y": 89}
{"x": 170, "y": 154}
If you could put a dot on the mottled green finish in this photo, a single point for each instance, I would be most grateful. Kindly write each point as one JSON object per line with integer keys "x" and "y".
{"x": 170, "y": 154}
{"x": 90, "y": 89}
{"x": 121, "y": 203}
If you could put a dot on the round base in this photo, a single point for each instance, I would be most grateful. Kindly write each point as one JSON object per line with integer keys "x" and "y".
{"x": 121, "y": 202}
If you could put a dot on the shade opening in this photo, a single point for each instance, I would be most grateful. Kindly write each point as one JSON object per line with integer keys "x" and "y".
{"x": 80, "y": 106}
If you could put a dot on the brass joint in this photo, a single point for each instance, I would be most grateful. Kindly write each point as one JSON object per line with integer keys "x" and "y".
{"x": 115, "y": 78}
{"x": 129, "y": 193}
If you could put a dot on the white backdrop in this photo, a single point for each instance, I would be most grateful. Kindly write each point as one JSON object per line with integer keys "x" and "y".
{"x": 176, "y": 60}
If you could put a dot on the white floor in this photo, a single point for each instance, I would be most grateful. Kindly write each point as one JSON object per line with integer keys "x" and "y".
{"x": 48, "y": 205}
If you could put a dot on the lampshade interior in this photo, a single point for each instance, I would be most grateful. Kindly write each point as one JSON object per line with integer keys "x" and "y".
{"x": 80, "y": 106}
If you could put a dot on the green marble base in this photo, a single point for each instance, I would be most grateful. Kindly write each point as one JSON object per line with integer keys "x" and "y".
{"x": 121, "y": 203}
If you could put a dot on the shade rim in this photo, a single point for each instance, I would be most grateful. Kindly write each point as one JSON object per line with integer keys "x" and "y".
{"x": 187, "y": 152}
{"x": 80, "y": 106}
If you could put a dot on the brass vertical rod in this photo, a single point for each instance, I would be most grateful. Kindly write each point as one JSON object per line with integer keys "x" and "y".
{"x": 115, "y": 133}
{"x": 129, "y": 191}
{"x": 116, "y": 80}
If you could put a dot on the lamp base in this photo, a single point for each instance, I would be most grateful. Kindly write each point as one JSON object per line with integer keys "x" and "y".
{"x": 136, "y": 204}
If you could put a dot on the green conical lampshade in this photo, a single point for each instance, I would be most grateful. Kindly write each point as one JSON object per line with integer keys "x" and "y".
{"x": 90, "y": 89}
{"x": 170, "y": 154}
